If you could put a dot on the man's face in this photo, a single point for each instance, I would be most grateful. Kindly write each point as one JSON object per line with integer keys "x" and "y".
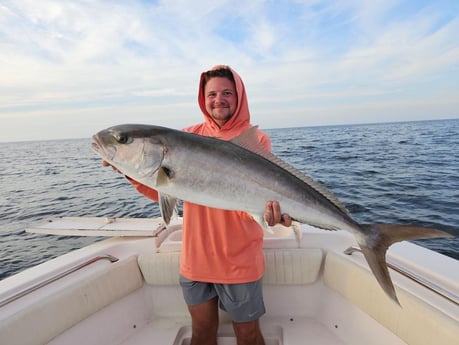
{"x": 220, "y": 99}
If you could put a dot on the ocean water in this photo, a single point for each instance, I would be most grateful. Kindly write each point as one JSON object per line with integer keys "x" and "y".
{"x": 406, "y": 173}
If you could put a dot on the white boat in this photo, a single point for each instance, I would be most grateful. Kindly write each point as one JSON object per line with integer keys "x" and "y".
{"x": 124, "y": 290}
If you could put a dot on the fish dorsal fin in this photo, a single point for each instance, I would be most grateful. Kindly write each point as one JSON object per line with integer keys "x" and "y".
{"x": 249, "y": 140}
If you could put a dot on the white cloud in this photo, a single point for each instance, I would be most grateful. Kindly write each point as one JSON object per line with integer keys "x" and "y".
{"x": 112, "y": 60}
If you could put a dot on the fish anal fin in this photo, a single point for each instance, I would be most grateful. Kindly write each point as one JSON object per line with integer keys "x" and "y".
{"x": 260, "y": 219}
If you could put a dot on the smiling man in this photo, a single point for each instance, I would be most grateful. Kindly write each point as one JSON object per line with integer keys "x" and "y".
{"x": 222, "y": 262}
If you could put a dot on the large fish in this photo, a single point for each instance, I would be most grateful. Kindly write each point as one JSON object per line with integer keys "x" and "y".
{"x": 241, "y": 175}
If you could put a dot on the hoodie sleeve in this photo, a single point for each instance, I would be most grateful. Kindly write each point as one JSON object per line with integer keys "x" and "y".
{"x": 150, "y": 193}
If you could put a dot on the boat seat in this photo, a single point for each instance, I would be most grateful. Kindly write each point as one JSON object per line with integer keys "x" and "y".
{"x": 415, "y": 322}
{"x": 44, "y": 318}
{"x": 283, "y": 267}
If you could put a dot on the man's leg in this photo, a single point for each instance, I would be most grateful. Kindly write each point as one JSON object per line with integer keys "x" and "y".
{"x": 248, "y": 333}
{"x": 244, "y": 303}
{"x": 204, "y": 322}
{"x": 202, "y": 301}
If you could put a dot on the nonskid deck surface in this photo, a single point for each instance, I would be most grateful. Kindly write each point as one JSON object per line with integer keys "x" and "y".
{"x": 276, "y": 331}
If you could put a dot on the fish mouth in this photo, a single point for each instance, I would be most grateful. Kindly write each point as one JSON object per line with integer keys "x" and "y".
{"x": 104, "y": 151}
{"x": 95, "y": 145}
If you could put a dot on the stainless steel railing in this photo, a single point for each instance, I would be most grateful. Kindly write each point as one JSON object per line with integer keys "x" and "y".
{"x": 415, "y": 277}
{"x": 55, "y": 277}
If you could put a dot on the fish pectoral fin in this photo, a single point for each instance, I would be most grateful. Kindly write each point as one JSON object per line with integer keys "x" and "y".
{"x": 168, "y": 207}
{"x": 165, "y": 175}
{"x": 379, "y": 238}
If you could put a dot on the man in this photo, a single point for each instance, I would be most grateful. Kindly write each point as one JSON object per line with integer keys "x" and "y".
{"x": 222, "y": 260}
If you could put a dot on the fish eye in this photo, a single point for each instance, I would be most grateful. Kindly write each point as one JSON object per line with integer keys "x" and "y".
{"x": 123, "y": 138}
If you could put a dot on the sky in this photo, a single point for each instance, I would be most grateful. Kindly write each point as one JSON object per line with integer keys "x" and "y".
{"x": 71, "y": 68}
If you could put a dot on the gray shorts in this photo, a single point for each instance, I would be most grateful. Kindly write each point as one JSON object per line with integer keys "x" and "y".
{"x": 243, "y": 302}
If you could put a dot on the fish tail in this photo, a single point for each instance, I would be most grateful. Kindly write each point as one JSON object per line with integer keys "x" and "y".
{"x": 380, "y": 237}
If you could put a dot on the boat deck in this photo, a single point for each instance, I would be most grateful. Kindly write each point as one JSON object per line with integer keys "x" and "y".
{"x": 299, "y": 306}
{"x": 313, "y": 294}
{"x": 276, "y": 331}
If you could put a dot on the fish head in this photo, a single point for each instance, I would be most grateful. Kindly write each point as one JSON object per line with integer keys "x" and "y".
{"x": 132, "y": 149}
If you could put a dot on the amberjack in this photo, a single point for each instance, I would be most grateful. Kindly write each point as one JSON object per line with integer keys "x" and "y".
{"x": 241, "y": 175}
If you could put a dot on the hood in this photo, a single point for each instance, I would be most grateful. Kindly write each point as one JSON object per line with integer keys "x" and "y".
{"x": 239, "y": 122}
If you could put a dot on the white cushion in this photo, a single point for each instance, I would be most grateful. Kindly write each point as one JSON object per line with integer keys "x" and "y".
{"x": 283, "y": 267}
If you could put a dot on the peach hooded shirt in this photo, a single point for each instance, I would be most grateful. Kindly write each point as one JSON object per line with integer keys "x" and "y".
{"x": 220, "y": 246}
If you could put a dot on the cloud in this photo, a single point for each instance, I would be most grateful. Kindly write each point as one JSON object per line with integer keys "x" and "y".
{"x": 120, "y": 58}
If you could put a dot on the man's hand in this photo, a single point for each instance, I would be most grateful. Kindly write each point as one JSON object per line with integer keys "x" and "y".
{"x": 107, "y": 164}
{"x": 274, "y": 216}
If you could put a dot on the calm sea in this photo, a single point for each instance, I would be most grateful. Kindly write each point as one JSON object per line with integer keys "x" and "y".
{"x": 384, "y": 173}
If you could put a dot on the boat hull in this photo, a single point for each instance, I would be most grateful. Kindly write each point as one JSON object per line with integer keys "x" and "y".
{"x": 312, "y": 290}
